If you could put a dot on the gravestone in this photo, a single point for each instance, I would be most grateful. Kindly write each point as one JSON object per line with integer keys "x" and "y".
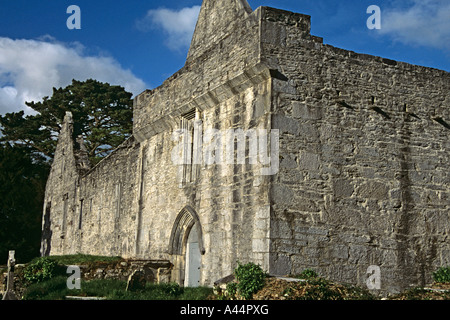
{"x": 9, "y": 294}
{"x": 136, "y": 281}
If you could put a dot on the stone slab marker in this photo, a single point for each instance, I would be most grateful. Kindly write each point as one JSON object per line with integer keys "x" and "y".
{"x": 9, "y": 294}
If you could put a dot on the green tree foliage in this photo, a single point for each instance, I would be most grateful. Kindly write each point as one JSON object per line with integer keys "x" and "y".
{"x": 102, "y": 114}
{"x": 22, "y": 184}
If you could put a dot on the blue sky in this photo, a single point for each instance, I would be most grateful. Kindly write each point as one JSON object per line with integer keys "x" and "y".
{"x": 138, "y": 44}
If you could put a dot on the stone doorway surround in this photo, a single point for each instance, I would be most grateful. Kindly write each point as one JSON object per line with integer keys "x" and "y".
{"x": 186, "y": 221}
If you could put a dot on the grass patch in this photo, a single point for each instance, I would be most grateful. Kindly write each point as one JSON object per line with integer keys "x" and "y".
{"x": 199, "y": 293}
{"x": 51, "y": 289}
{"x": 168, "y": 291}
{"x": 51, "y": 283}
{"x": 56, "y": 289}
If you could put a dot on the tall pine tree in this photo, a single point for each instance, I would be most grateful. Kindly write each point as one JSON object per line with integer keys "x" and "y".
{"x": 102, "y": 114}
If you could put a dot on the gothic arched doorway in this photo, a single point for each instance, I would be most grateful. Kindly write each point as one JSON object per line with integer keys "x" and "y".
{"x": 186, "y": 248}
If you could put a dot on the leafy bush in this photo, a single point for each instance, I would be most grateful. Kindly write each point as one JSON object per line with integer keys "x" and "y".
{"x": 442, "y": 275}
{"x": 41, "y": 269}
{"x": 230, "y": 292}
{"x": 232, "y": 289}
{"x": 251, "y": 278}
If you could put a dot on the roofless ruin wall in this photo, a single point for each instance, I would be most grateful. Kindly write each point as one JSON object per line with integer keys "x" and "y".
{"x": 363, "y": 162}
{"x": 364, "y": 152}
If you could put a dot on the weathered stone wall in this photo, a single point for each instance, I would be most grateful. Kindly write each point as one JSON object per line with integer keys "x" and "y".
{"x": 129, "y": 203}
{"x": 91, "y": 212}
{"x": 109, "y": 199}
{"x": 363, "y": 162}
{"x": 229, "y": 90}
{"x": 155, "y": 271}
{"x": 60, "y": 193}
{"x": 229, "y": 200}
{"x": 364, "y": 167}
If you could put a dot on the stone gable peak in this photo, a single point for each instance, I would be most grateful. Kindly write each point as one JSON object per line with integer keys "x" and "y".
{"x": 217, "y": 18}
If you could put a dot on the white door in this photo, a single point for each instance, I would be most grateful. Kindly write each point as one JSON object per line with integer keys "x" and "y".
{"x": 193, "y": 260}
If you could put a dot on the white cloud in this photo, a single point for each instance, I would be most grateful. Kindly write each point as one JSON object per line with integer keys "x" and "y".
{"x": 423, "y": 23}
{"x": 178, "y": 25}
{"x": 29, "y": 69}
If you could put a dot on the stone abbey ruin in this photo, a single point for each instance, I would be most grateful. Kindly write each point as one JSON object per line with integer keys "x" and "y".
{"x": 360, "y": 175}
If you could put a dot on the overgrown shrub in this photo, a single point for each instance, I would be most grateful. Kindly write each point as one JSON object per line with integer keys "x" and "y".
{"x": 250, "y": 279}
{"x": 232, "y": 289}
{"x": 442, "y": 275}
{"x": 41, "y": 269}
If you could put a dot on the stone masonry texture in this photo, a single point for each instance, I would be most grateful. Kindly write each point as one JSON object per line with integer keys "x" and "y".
{"x": 363, "y": 173}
